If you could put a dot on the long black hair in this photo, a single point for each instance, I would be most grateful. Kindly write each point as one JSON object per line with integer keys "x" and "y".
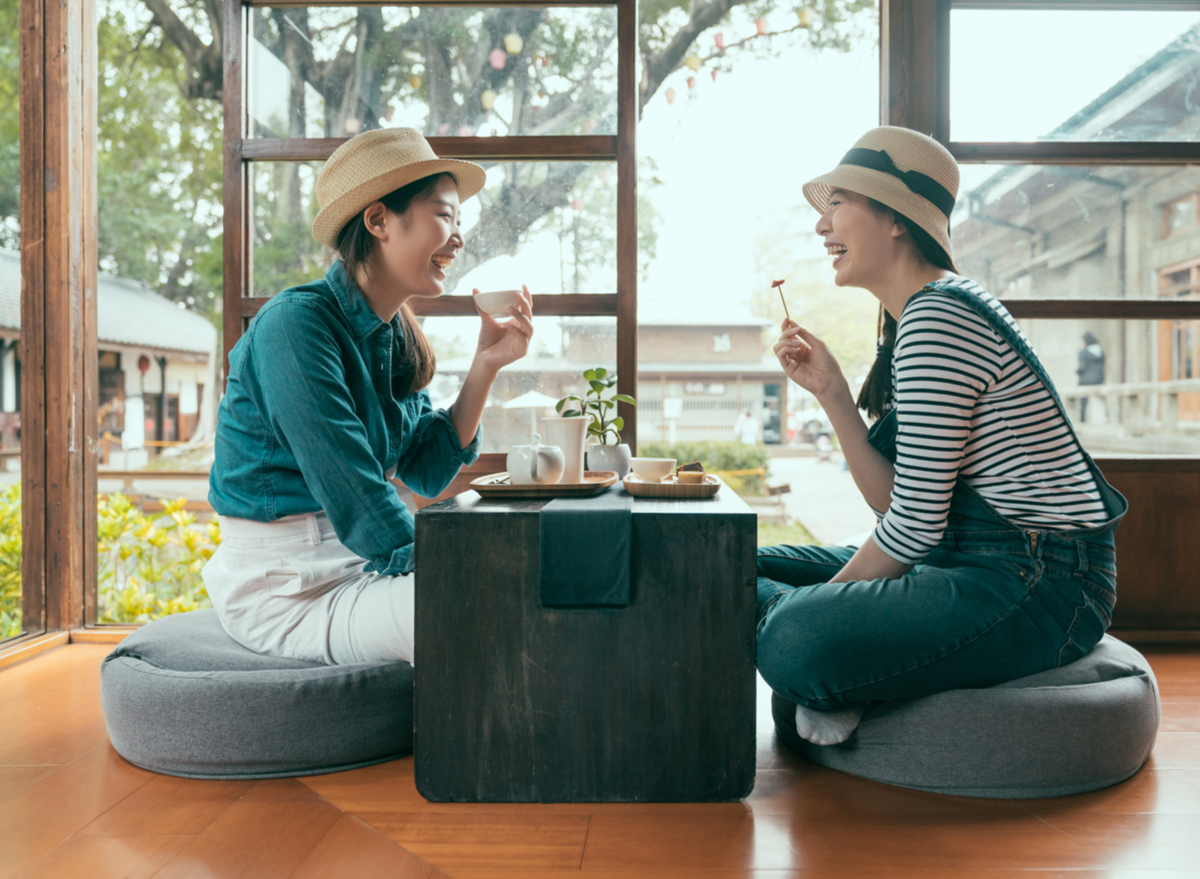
{"x": 873, "y": 397}
{"x": 355, "y": 244}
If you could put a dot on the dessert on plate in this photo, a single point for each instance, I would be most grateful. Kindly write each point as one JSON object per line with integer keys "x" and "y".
{"x": 692, "y": 473}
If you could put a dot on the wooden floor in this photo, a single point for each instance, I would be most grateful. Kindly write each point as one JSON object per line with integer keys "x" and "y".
{"x": 69, "y": 806}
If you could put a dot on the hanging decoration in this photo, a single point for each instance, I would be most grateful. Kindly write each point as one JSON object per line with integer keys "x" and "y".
{"x": 806, "y": 16}
{"x": 488, "y": 99}
{"x": 691, "y": 83}
{"x": 670, "y": 93}
{"x": 719, "y": 39}
{"x": 497, "y": 59}
{"x": 761, "y": 25}
{"x": 714, "y": 74}
{"x": 513, "y": 43}
{"x": 352, "y": 125}
{"x": 415, "y": 81}
{"x": 693, "y": 63}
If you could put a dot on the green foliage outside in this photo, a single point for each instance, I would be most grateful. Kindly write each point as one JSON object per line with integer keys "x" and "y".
{"x": 10, "y": 561}
{"x": 791, "y": 533}
{"x": 149, "y": 566}
{"x": 723, "y": 456}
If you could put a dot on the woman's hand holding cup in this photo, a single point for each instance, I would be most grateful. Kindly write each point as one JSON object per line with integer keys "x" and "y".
{"x": 503, "y": 342}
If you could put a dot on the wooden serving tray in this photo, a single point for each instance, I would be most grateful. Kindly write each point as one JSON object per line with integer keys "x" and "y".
{"x": 496, "y": 485}
{"x": 638, "y": 487}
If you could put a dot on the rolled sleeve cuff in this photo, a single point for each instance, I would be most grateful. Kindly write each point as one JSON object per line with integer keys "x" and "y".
{"x": 465, "y": 456}
{"x": 402, "y": 561}
{"x": 885, "y": 542}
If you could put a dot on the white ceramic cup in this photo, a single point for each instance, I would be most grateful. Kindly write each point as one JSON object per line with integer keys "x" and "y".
{"x": 498, "y": 302}
{"x": 653, "y": 469}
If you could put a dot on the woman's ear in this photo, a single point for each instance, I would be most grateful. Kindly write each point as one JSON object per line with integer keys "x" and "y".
{"x": 375, "y": 219}
{"x": 899, "y": 230}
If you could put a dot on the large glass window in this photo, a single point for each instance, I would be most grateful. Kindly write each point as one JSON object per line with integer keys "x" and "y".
{"x": 158, "y": 311}
{"x": 1075, "y": 232}
{"x": 446, "y": 71}
{"x": 1073, "y": 75}
{"x": 11, "y": 604}
{"x": 548, "y": 225}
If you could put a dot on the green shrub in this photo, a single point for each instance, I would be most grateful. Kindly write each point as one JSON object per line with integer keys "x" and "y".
{"x": 10, "y": 561}
{"x": 148, "y": 566}
{"x": 721, "y": 456}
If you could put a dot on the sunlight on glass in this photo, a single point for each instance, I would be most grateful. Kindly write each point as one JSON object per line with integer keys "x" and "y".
{"x": 1084, "y": 75}
{"x": 446, "y": 71}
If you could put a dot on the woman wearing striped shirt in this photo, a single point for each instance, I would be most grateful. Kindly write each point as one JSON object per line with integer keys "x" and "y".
{"x": 994, "y": 557}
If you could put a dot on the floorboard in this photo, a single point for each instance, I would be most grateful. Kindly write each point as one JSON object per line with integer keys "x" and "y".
{"x": 71, "y": 807}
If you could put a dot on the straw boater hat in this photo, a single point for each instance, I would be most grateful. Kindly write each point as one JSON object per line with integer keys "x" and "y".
{"x": 370, "y": 165}
{"x": 906, "y": 171}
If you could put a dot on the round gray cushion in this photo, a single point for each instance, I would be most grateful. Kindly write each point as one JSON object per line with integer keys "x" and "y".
{"x": 182, "y": 697}
{"x": 1081, "y": 727}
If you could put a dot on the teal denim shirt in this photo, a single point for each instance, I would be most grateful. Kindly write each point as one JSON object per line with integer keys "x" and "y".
{"x": 310, "y": 422}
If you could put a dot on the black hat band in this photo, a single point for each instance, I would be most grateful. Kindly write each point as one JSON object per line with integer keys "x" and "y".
{"x": 921, "y": 184}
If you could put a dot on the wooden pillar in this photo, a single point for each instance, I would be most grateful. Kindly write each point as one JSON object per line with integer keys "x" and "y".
{"x": 914, "y": 65}
{"x": 58, "y": 299}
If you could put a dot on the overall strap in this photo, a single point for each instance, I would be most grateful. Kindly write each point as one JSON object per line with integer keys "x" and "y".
{"x": 997, "y": 317}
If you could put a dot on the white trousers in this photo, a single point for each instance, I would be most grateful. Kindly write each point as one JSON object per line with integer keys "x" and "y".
{"x": 290, "y": 588}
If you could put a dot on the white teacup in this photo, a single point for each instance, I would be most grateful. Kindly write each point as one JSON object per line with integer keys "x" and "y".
{"x": 653, "y": 469}
{"x": 498, "y": 302}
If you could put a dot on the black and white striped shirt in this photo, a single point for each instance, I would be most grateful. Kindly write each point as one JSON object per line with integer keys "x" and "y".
{"x": 967, "y": 405}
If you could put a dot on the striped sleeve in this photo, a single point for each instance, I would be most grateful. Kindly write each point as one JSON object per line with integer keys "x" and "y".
{"x": 944, "y": 359}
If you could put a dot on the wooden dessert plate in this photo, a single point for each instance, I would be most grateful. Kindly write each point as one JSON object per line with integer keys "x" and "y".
{"x": 496, "y": 485}
{"x": 639, "y": 487}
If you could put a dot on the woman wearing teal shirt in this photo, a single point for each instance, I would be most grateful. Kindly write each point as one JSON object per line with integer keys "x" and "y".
{"x": 326, "y": 400}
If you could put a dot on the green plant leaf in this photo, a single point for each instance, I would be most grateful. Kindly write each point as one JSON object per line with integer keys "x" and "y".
{"x": 618, "y": 423}
{"x": 598, "y": 386}
{"x": 589, "y": 374}
{"x": 625, "y": 398}
{"x": 600, "y": 372}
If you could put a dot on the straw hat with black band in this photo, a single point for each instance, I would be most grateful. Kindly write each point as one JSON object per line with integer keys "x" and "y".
{"x": 370, "y": 165}
{"x": 907, "y": 171}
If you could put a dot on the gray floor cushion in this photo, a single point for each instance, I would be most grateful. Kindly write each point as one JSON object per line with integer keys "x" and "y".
{"x": 182, "y": 697}
{"x": 1081, "y": 727}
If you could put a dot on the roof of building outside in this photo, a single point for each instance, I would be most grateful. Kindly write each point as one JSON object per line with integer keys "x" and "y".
{"x": 128, "y": 313}
{"x": 1180, "y": 54}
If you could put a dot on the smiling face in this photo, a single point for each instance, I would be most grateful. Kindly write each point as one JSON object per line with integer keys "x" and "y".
{"x": 415, "y": 249}
{"x": 864, "y": 242}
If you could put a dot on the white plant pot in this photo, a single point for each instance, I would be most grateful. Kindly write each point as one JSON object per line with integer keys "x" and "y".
{"x": 616, "y": 457}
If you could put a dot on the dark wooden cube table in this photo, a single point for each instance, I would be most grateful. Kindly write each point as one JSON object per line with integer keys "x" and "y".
{"x": 517, "y": 702}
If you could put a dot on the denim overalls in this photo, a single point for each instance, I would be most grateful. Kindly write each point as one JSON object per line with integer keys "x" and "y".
{"x": 991, "y": 603}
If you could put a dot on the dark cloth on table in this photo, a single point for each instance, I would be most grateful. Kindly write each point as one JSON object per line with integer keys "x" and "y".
{"x": 585, "y": 544}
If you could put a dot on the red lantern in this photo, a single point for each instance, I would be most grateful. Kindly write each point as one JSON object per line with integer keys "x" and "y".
{"x": 691, "y": 80}
{"x": 497, "y": 58}
{"x": 761, "y": 25}
{"x": 719, "y": 39}
{"x": 714, "y": 75}
{"x": 143, "y": 364}
{"x": 670, "y": 94}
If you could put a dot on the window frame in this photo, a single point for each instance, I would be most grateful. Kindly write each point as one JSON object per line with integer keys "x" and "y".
{"x": 241, "y": 151}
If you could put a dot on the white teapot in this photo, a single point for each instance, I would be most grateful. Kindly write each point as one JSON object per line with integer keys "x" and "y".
{"x": 535, "y": 464}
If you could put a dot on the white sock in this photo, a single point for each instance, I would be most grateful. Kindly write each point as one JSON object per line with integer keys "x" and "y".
{"x": 828, "y": 727}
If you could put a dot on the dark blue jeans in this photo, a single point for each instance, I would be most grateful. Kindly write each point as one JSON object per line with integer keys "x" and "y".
{"x": 990, "y": 604}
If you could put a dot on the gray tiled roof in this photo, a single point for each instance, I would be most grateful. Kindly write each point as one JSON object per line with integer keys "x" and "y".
{"x": 127, "y": 313}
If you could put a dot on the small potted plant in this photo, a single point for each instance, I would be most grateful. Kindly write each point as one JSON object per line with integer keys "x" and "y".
{"x": 598, "y": 405}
